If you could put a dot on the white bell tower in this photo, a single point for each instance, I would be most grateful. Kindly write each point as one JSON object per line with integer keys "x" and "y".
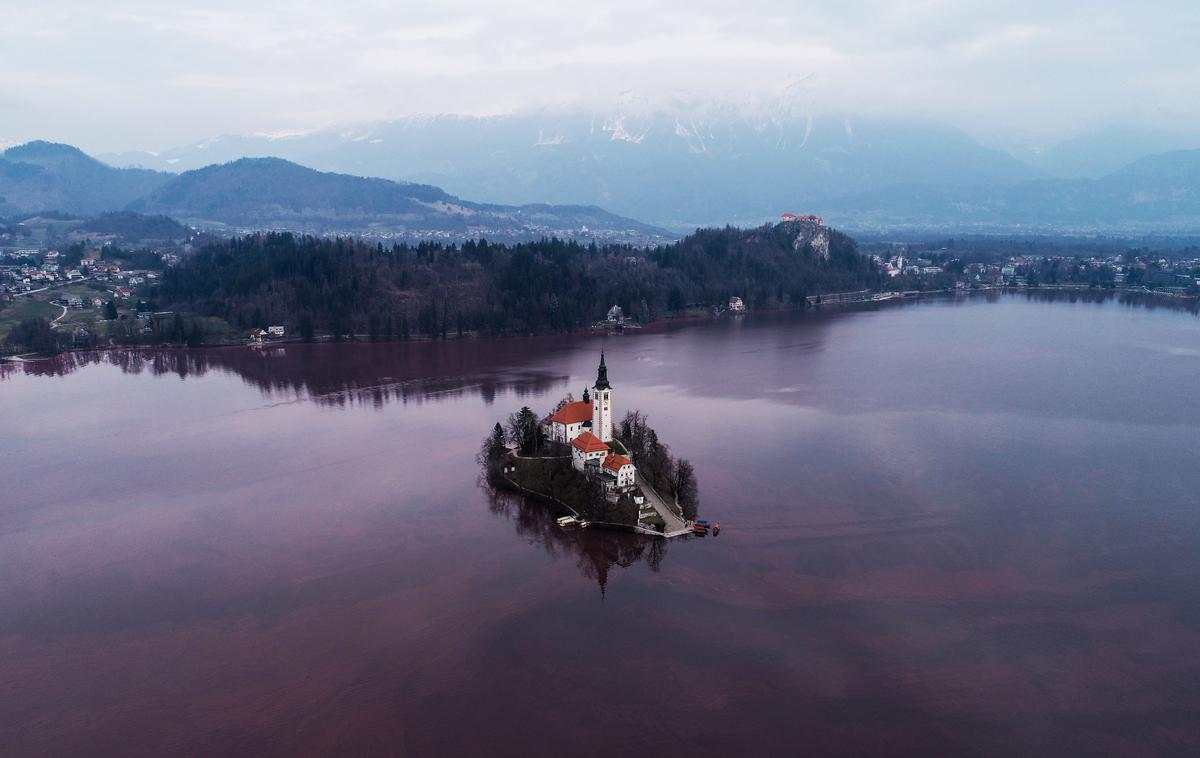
{"x": 602, "y": 404}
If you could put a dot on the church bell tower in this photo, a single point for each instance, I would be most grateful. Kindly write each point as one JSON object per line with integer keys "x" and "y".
{"x": 602, "y": 404}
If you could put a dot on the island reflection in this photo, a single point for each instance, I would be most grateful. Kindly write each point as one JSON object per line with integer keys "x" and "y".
{"x": 595, "y": 551}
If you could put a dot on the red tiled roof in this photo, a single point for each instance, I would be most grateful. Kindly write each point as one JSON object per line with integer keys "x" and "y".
{"x": 573, "y": 413}
{"x": 588, "y": 443}
{"x": 615, "y": 462}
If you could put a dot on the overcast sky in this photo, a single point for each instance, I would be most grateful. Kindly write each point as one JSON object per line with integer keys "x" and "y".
{"x": 126, "y": 74}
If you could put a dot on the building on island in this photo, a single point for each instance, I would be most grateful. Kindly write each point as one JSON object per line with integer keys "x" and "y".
{"x": 587, "y": 448}
{"x": 569, "y": 421}
{"x": 588, "y": 427}
{"x": 620, "y": 469}
{"x": 736, "y": 305}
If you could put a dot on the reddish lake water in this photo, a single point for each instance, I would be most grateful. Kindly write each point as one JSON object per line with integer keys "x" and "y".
{"x": 963, "y": 528}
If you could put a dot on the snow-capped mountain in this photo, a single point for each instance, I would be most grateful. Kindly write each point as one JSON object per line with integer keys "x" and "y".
{"x": 683, "y": 162}
{"x": 680, "y": 164}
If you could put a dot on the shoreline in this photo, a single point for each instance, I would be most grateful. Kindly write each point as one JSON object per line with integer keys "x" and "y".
{"x": 895, "y": 298}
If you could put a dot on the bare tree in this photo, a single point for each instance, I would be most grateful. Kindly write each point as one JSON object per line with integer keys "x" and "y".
{"x": 568, "y": 399}
{"x": 684, "y": 487}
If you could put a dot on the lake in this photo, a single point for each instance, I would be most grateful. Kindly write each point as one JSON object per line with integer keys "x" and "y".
{"x": 960, "y": 527}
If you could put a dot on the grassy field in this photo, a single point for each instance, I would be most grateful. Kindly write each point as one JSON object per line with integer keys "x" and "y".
{"x": 23, "y": 308}
{"x": 38, "y": 305}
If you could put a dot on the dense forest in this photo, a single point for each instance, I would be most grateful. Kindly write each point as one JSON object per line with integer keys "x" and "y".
{"x": 342, "y": 286}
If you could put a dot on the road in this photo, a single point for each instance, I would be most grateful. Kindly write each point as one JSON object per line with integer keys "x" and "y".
{"x": 674, "y": 524}
{"x": 57, "y": 285}
{"x": 52, "y": 286}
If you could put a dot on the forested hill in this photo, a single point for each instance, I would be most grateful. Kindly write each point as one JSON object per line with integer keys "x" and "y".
{"x": 43, "y": 176}
{"x": 251, "y": 194}
{"x": 269, "y": 193}
{"x": 343, "y": 286}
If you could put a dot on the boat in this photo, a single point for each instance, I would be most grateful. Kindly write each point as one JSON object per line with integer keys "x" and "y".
{"x": 567, "y": 521}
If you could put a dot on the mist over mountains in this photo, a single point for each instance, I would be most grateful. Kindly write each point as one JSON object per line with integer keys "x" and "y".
{"x": 685, "y": 168}
{"x": 1099, "y": 152}
{"x": 579, "y": 174}
{"x": 680, "y": 170}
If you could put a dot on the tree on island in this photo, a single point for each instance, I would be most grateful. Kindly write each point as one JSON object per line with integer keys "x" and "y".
{"x": 570, "y": 398}
{"x": 652, "y": 457}
{"x": 655, "y": 463}
{"x": 684, "y": 487}
{"x": 525, "y": 431}
{"x": 492, "y": 452}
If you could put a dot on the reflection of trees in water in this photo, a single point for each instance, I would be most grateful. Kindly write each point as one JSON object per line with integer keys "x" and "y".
{"x": 595, "y": 551}
{"x": 335, "y": 375}
{"x": 1128, "y": 298}
{"x": 379, "y": 373}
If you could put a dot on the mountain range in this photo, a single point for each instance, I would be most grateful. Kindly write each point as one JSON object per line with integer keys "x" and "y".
{"x": 672, "y": 169}
{"x": 714, "y": 165}
{"x": 1158, "y": 194}
{"x": 551, "y": 174}
{"x": 271, "y": 193}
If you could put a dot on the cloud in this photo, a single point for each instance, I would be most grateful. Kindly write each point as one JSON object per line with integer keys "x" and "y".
{"x": 152, "y": 74}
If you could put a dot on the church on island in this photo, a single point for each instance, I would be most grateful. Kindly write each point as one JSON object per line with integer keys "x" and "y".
{"x": 587, "y": 426}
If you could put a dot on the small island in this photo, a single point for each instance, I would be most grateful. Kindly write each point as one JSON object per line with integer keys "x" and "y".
{"x": 617, "y": 476}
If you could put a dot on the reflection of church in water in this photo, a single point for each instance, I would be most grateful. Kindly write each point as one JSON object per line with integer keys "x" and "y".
{"x": 596, "y": 551}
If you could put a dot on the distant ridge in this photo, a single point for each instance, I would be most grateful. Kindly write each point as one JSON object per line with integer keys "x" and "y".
{"x": 1155, "y": 194}
{"x": 710, "y": 165}
{"x": 675, "y": 168}
{"x": 46, "y": 176}
{"x": 271, "y": 193}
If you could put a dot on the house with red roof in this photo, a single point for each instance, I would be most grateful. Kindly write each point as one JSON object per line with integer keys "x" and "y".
{"x": 588, "y": 448}
{"x": 620, "y": 469}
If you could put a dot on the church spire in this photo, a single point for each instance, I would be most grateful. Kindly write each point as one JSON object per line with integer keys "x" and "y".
{"x": 602, "y": 375}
